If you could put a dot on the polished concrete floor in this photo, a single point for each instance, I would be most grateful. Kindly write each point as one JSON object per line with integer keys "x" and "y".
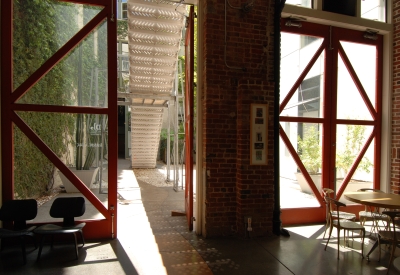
{"x": 151, "y": 241}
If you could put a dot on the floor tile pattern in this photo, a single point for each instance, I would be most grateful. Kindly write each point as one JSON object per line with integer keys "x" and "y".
{"x": 152, "y": 241}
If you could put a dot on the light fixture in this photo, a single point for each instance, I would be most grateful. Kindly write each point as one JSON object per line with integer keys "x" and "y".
{"x": 291, "y": 23}
{"x": 371, "y": 34}
{"x": 247, "y": 7}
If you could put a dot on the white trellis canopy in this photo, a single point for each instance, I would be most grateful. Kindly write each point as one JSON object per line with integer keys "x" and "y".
{"x": 154, "y": 39}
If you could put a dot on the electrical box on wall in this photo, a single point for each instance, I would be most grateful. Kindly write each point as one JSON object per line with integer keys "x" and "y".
{"x": 346, "y": 7}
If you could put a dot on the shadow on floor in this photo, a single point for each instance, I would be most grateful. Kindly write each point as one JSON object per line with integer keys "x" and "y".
{"x": 151, "y": 241}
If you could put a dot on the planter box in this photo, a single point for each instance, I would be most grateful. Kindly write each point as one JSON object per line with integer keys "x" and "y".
{"x": 305, "y": 188}
{"x": 353, "y": 185}
{"x": 86, "y": 176}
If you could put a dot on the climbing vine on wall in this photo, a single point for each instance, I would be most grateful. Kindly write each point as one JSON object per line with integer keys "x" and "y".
{"x": 37, "y": 34}
{"x": 40, "y": 28}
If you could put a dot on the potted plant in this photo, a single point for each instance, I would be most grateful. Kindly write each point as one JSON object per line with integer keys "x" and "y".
{"x": 354, "y": 140}
{"x": 310, "y": 154}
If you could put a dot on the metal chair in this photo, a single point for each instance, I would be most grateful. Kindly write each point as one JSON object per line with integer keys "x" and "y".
{"x": 342, "y": 224}
{"x": 390, "y": 236}
{"x": 18, "y": 212}
{"x": 369, "y": 215}
{"x": 67, "y": 208}
{"x": 340, "y": 215}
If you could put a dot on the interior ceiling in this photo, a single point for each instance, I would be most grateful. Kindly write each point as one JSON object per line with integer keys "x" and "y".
{"x": 154, "y": 40}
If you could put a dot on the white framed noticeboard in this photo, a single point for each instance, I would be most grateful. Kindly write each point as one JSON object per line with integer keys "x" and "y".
{"x": 258, "y": 134}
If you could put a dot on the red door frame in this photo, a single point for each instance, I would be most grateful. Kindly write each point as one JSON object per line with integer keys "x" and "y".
{"x": 107, "y": 227}
{"x": 329, "y": 120}
{"x": 189, "y": 107}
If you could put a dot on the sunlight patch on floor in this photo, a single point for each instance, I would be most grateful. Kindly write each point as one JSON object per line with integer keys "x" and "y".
{"x": 134, "y": 230}
{"x": 97, "y": 252}
{"x": 308, "y": 231}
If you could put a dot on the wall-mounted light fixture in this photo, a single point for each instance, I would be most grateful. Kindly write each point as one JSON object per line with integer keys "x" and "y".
{"x": 293, "y": 23}
{"x": 247, "y": 7}
{"x": 371, "y": 34}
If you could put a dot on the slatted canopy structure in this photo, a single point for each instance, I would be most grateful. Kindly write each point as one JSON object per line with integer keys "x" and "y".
{"x": 154, "y": 39}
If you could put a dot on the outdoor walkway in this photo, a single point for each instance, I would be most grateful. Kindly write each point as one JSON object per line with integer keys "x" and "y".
{"x": 153, "y": 242}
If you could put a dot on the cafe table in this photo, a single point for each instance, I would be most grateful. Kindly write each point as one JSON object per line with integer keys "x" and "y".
{"x": 374, "y": 199}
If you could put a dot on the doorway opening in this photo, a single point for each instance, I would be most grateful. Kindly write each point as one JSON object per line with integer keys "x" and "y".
{"x": 330, "y": 120}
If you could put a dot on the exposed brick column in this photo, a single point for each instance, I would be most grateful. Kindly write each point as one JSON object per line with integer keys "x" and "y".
{"x": 255, "y": 183}
{"x": 231, "y": 84}
{"x": 395, "y": 158}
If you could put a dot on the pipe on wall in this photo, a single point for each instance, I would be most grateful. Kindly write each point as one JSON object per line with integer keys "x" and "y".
{"x": 277, "y": 223}
{"x": 245, "y": 8}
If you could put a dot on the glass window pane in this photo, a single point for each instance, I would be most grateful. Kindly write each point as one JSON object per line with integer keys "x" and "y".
{"x": 302, "y": 3}
{"x": 363, "y": 60}
{"x": 80, "y": 140}
{"x": 123, "y": 67}
{"x": 350, "y": 141}
{"x": 306, "y": 140}
{"x": 79, "y": 80}
{"x": 297, "y": 51}
{"x": 348, "y": 96}
{"x": 36, "y": 177}
{"x": 40, "y": 29}
{"x": 374, "y": 10}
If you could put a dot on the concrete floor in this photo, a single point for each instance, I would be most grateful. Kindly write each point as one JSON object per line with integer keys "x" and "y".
{"x": 153, "y": 242}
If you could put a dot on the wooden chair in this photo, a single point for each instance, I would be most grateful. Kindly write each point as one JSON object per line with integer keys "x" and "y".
{"x": 342, "y": 224}
{"x": 326, "y": 192}
{"x": 390, "y": 236}
{"x": 67, "y": 208}
{"x": 18, "y": 212}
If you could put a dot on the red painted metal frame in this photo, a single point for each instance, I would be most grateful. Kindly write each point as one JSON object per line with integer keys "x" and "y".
{"x": 303, "y": 170}
{"x": 57, "y": 162}
{"x": 375, "y": 110}
{"x": 329, "y": 120}
{"x": 302, "y": 76}
{"x": 58, "y": 56}
{"x": 112, "y": 116}
{"x": 357, "y": 82}
{"x": 105, "y": 228}
{"x": 189, "y": 105}
{"x": 7, "y": 148}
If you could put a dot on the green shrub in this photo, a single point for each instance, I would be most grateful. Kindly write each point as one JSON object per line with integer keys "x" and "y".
{"x": 310, "y": 151}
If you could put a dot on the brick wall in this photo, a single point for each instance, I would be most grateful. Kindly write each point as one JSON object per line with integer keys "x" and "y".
{"x": 395, "y": 161}
{"x": 234, "y": 187}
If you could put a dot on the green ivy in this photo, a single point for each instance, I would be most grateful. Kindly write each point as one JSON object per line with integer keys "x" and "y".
{"x": 122, "y": 29}
{"x": 36, "y": 36}
{"x": 40, "y": 28}
{"x": 91, "y": 67}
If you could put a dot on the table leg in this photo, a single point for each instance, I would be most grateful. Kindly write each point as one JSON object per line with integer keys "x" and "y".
{"x": 372, "y": 249}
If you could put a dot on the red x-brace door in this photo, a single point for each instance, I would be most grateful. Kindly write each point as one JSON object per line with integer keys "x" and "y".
{"x": 12, "y": 110}
{"x": 189, "y": 103}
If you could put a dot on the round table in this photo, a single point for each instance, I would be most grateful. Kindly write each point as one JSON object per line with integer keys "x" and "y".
{"x": 377, "y": 199}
